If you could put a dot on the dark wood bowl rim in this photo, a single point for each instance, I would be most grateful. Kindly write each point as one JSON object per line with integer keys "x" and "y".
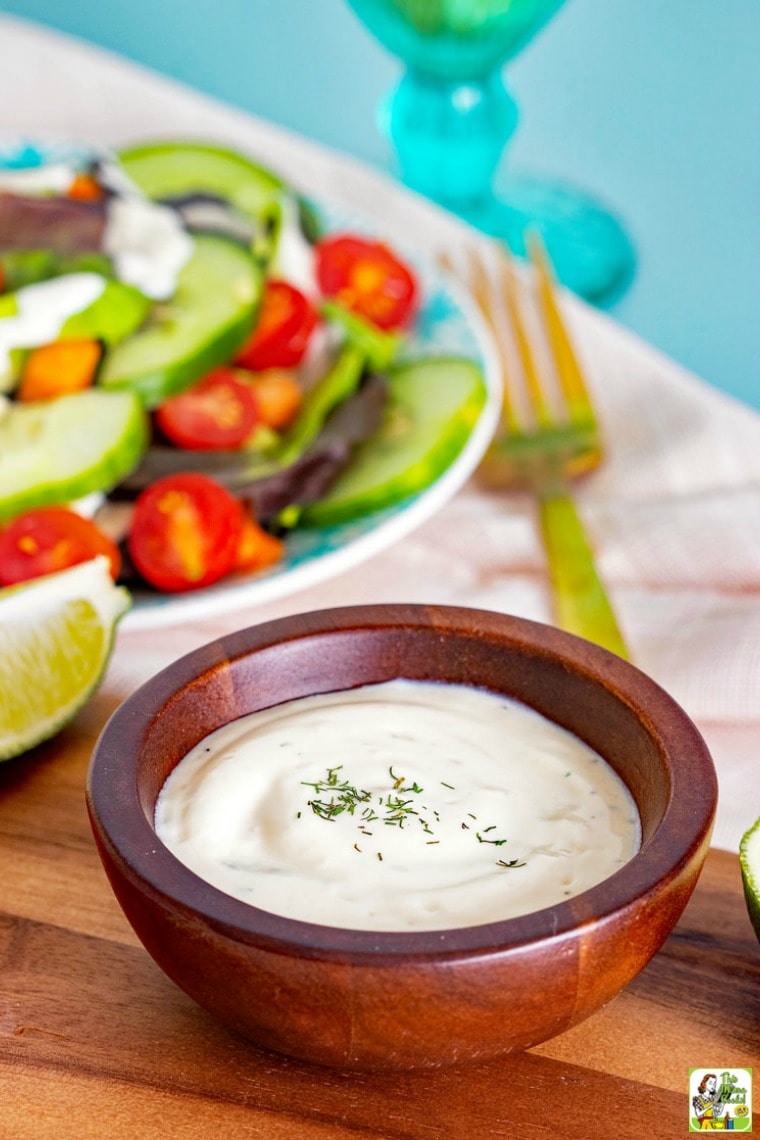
{"x": 130, "y": 840}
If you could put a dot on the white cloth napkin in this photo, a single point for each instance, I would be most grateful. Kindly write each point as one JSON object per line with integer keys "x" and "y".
{"x": 674, "y": 513}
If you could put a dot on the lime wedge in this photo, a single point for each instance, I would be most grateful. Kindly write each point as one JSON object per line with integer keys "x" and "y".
{"x": 56, "y": 636}
{"x": 749, "y": 857}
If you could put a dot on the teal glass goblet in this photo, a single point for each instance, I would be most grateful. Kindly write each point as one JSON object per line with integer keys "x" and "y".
{"x": 451, "y": 116}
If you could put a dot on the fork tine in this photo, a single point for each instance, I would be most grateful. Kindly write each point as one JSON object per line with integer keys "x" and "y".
{"x": 511, "y": 292}
{"x": 481, "y": 289}
{"x": 571, "y": 380}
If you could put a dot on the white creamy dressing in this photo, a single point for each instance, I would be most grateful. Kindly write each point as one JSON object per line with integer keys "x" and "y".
{"x": 445, "y": 785}
{"x": 52, "y": 178}
{"x": 294, "y": 257}
{"x": 89, "y": 505}
{"x": 147, "y": 243}
{"x": 43, "y": 309}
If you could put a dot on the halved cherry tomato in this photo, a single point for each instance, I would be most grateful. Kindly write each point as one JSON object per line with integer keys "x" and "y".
{"x": 257, "y": 548}
{"x": 220, "y": 411}
{"x": 49, "y": 539}
{"x": 278, "y": 396}
{"x": 285, "y": 323}
{"x": 368, "y": 278}
{"x": 185, "y": 532}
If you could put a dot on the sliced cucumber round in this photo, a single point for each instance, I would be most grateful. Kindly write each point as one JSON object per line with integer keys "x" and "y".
{"x": 201, "y": 326}
{"x": 60, "y": 450}
{"x": 432, "y": 408}
{"x": 174, "y": 169}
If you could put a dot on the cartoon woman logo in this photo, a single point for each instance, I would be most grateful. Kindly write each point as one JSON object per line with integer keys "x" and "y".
{"x": 709, "y": 1107}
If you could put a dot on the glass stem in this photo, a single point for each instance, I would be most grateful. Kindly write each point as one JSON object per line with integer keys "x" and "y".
{"x": 448, "y": 135}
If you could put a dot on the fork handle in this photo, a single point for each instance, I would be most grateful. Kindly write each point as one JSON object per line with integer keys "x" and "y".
{"x": 582, "y": 605}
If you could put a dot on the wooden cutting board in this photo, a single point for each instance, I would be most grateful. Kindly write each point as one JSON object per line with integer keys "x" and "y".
{"x": 96, "y": 1042}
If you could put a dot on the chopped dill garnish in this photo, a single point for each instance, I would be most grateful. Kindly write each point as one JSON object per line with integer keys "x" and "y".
{"x": 335, "y": 795}
{"x": 344, "y": 796}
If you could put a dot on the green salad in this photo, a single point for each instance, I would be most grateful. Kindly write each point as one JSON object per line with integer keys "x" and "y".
{"x": 191, "y": 367}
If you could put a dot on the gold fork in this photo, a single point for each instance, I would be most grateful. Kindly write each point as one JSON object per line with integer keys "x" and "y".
{"x": 543, "y": 449}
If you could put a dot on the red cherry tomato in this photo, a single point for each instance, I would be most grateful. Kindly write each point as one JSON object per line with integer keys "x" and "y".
{"x": 286, "y": 320}
{"x": 185, "y": 532}
{"x": 49, "y": 539}
{"x": 368, "y": 278}
{"x": 219, "y": 411}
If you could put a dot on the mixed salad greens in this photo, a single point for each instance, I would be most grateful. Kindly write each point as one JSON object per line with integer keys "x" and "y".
{"x": 190, "y": 367}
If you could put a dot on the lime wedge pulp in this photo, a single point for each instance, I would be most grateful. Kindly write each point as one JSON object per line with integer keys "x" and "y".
{"x": 56, "y": 637}
{"x": 749, "y": 857}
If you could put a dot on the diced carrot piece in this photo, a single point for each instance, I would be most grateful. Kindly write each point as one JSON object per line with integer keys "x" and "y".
{"x": 278, "y": 395}
{"x": 85, "y": 188}
{"x": 59, "y": 368}
{"x": 257, "y": 548}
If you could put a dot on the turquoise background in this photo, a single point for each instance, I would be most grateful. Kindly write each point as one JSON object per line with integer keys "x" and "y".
{"x": 652, "y": 104}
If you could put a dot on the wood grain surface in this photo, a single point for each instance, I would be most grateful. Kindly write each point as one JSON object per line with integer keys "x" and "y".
{"x": 96, "y": 1042}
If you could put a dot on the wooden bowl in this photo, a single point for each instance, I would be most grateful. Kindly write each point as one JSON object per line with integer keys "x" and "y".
{"x": 357, "y": 999}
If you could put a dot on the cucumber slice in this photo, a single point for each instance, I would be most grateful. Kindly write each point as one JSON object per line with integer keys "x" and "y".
{"x": 174, "y": 169}
{"x": 433, "y": 406}
{"x": 201, "y": 326}
{"x": 60, "y": 450}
